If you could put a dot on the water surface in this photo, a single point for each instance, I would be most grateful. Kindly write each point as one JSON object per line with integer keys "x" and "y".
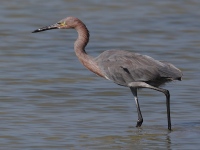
{"x": 50, "y": 101}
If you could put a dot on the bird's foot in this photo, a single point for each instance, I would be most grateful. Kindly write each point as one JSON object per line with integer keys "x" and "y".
{"x": 139, "y": 123}
{"x": 169, "y": 128}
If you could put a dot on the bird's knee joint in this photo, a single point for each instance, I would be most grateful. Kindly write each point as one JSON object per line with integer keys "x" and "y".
{"x": 167, "y": 93}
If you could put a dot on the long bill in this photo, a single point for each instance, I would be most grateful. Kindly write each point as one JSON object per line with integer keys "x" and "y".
{"x": 54, "y": 26}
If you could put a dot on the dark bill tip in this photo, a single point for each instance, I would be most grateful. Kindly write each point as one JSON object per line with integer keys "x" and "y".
{"x": 38, "y": 30}
{"x": 45, "y": 28}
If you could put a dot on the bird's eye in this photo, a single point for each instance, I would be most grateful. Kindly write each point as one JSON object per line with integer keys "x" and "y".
{"x": 61, "y": 23}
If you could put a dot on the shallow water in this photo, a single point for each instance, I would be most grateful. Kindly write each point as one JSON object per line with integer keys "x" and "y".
{"x": 50, "y": 101}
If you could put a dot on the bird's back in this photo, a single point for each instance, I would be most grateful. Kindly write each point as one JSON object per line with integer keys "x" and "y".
{"x": 124, "y": 67}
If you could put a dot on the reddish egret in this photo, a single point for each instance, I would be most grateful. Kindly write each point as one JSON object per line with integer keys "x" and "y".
{"x": 124, "y": 68}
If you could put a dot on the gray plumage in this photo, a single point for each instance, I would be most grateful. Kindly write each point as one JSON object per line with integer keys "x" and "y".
{"x": 122, "y": 67}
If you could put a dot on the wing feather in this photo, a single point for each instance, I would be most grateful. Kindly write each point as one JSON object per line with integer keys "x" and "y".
{"x": 124, "y": 67}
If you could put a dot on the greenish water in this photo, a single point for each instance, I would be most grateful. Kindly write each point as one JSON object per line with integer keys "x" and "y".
{"x": 48, "y": 100}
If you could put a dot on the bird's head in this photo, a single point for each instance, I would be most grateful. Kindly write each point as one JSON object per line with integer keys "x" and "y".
{"x": 67, "y": 23}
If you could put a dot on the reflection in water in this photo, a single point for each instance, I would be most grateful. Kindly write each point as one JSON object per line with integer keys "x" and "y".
{"x": 49, "y": 101}
{"x": 137, "y": 139}
{"x": 168, "y": 144}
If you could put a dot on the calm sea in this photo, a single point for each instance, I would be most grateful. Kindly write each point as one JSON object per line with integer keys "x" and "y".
{"x": 49, "y": 101}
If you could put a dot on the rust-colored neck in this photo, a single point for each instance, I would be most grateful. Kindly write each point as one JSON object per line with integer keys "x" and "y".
{"x": 79, "y": 47}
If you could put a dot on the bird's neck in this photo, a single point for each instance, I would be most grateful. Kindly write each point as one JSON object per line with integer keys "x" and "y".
{"x": 79, "y": 47}
{"x": 82, "y": 40}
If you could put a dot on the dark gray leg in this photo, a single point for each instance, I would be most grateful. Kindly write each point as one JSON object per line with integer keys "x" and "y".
{"x": 166, "y": 92}
{"x": 140, "y": 119}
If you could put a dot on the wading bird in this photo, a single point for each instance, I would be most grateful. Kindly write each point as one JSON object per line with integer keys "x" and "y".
{"x": 124, "y": 68}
